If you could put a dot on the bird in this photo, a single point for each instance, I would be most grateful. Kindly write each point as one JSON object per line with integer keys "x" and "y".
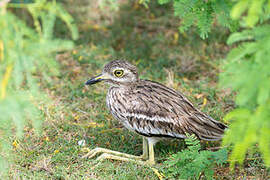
{"x": 151, "y": 110}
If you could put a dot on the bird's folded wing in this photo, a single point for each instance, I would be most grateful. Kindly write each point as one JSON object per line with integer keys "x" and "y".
{"x": 155, "y": 110}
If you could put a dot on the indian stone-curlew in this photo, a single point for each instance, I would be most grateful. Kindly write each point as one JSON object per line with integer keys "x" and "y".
{"x": 151, "y": 110}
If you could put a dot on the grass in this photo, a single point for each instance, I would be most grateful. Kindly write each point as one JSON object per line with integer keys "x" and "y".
{"x": 149, "y": 39}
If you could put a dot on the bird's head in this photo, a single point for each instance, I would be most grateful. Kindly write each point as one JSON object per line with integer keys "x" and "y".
{"x": 116, "y": 73}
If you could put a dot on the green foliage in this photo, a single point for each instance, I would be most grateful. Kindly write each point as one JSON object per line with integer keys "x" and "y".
{"x": 256, "y": 11}
{"x": 26, "y": 54}
{"x": 246, "y": 71}
{"x": 202, "y": 14}
{"x": 193, "y": 162}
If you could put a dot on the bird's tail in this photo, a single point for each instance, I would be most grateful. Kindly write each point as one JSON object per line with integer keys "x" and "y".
{"x": 206, "y": 128}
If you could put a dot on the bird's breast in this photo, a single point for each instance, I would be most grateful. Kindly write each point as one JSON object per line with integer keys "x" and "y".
{"x": 115, "y": 104}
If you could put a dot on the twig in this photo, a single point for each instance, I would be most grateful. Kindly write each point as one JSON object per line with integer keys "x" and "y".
{"x": 159, "y": 175}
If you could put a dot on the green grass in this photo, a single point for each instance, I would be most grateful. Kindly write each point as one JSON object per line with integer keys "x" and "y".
{"x": 147, "y": 39}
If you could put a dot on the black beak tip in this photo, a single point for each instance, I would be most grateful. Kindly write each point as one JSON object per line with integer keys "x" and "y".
{"x": 88, "y": 82}
{"x": 92, "y": 81}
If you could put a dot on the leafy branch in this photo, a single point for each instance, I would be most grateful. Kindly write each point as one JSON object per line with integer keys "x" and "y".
{"x": 193, "y": 162}
{"x": 26, "y": 54}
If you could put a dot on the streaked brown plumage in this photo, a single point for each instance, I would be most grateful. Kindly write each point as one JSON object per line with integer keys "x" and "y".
{"x": 152, "y": 109}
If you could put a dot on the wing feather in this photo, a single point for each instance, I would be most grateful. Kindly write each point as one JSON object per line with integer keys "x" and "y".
{"x": 156, "y": 110}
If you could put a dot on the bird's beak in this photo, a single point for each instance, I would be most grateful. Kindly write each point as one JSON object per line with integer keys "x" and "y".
{"x": 96, "y": 79}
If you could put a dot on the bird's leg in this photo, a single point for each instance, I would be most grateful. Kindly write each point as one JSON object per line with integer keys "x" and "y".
{"x": 98, "y": 150}
{"x": 151, "y": 159}
{"x": 145, "y": 149}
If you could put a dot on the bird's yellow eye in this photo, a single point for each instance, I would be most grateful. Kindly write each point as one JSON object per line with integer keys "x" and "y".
{"x": 118, "y": 73}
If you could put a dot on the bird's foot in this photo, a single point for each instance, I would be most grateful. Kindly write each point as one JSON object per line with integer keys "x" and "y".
{"x": 143, "y": 157}
{"x": 98, "y": 150}
{"x": 105, "y": 156}
{"x": 115, "y": 155}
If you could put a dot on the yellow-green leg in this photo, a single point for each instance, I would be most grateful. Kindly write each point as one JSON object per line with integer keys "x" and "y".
{"x": 145, "y": 154}
{"x": 151, "y": 159}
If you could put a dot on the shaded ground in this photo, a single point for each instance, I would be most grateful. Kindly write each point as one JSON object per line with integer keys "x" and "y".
{"x": 148, "y": 38}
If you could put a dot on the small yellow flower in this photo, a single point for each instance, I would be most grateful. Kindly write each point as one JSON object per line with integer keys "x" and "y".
{"x": 74, "y": 52}
{"x": 204, "y": 102}
{"x": 76, "y": 117}
{"x": 15, "y": 144}
{"x": 80, "y": 58}
{"x": 96, "y": 27}
{"x": 56, "y": 151}
{"x": 185, "y": 79}
{"x": 5, "y": 80}
{"x": 175, "y": 38}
